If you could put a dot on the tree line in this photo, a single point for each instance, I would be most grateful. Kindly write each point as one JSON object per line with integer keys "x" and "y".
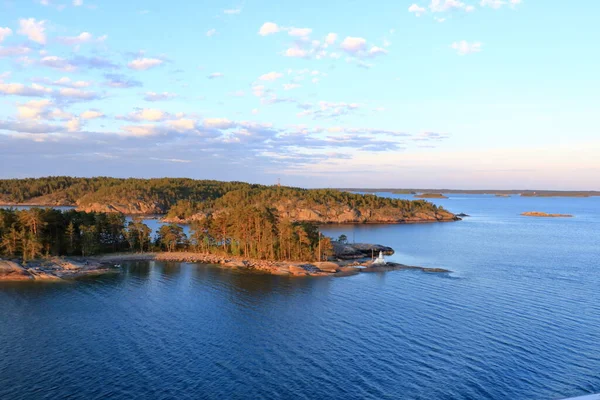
{"x": 249, "y": 231}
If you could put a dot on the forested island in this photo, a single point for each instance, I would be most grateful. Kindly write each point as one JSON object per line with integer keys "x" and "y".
{"x": 185, "y": 200}
{"x": 430, "y": 196}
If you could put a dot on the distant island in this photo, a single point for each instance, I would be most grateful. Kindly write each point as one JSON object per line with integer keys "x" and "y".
{"x": 430, "y": 196}
{"x": 497, "y": 192}
{"x": 543, "y": 214}
{"x": 186, "y": 200}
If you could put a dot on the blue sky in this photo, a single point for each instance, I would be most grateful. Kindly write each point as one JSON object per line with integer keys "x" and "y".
{"x": 427, "y": 93}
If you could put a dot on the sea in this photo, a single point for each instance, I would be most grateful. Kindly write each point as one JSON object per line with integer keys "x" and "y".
{"x": 517, "y": 318}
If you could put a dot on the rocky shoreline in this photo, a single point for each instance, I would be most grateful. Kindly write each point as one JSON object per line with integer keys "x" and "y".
{"x": 350, "y": 260}
{"x": 285, "y": 268}
{"x": 54, "y": 269}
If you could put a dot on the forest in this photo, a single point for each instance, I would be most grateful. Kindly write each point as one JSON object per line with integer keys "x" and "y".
{"x": 253, "y": 232}
{"x": 181, "y": 197}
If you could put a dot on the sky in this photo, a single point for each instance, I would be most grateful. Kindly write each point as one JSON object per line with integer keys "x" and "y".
{"x": 341, "y": 93}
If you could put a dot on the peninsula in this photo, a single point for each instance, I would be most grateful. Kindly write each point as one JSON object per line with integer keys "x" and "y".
{"x": 347, "y": 259}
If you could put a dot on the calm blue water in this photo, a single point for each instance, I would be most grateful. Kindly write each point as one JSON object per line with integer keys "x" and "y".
{"x": 518, "y": 319}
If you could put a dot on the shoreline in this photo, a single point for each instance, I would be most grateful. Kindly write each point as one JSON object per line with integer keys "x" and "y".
{"x": 286, "y": 268}
{"x": 61, "y": 269}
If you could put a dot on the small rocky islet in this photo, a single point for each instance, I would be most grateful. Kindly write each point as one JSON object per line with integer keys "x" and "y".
{"x": 546, "y": 215}
{"x": 349, "y": 259}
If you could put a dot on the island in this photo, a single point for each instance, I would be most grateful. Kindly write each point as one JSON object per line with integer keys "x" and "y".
{"x": 543, "y": 214}
{"x": 430, "y": 196}
{"x": 180, "y": 200}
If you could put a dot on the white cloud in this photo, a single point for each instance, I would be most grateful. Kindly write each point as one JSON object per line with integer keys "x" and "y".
{"x": 147, "y": 114}
{"x": 57, "y": 113}
{"x": 77, "y": 3}
{"x": 67, "y": 82}
{"x": 353, "y": 44}
{"x": 33, "y": 29}
{"x": 57, "y": 63}
{"x": 463, "y": 47}
{"x": 219, "y": 123}
{"x": 331, "y": 38}
{"x": 152, "y": 96}
{"x": 182, "y": 124}
{"x": 232, "y": 11}
{"x": 290, "y": 86}
{"x": 296, "y": 52}
{"x": 299, "y": 32}
{"x": 140, "y": 130}
{"x": 4, "y": 33}
{"x": 211, "y": 32}
{"x": 268, "y": 28}
{"x": 271, "y": 76}
{"x": 11, "y": 51}
{"x": 74, "y": 125}
{"x": 77, "y": 94}
{"x": 216, "y": 75}
{"x": 142, "y": 64}
{"x": 83, "y": 37}
{"x": 374, "y": 51}
{"x": 326, "y": 109}
{"x": 91, "y": 114}
{"x": 33, "y": 109}
{"x": 255, "y": 111}
{"x": 19, "y": 89}
{"x": 417, "y": 10}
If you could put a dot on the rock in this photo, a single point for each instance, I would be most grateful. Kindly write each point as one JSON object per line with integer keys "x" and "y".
{"x": 133, "y": 208}
{"x": 345, "y": 251}
{"x": 304, "y": 269}
{"x": 235, "y": 264}
{"x": 45, "y": 276}
{"x": 11, "y": 271}
{"x": 326, "y": 266}
{"x": 462, "y": 215}
{"x": 366, "y": 249}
